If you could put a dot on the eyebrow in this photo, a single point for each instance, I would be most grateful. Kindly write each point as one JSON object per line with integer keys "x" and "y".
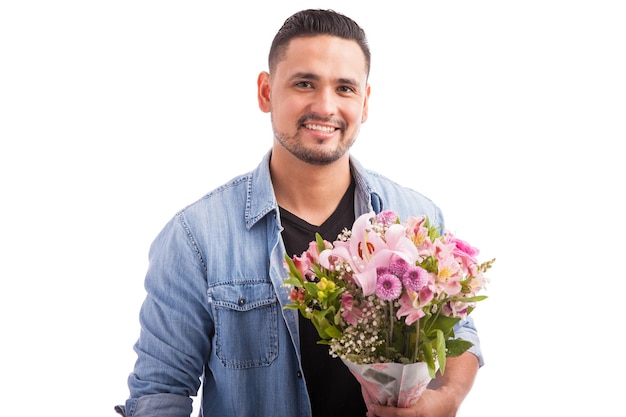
{"x": 314, "y": 77}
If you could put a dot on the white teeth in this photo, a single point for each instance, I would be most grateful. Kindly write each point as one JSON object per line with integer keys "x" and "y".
{"x": 325, "y": 129}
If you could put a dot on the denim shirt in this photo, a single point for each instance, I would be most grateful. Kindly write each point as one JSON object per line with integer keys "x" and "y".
{"x": 214, "y": 306}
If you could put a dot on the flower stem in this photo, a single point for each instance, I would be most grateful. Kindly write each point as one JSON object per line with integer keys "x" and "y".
{"x": 417, "y": 340}
{"x": 390, "y": 330}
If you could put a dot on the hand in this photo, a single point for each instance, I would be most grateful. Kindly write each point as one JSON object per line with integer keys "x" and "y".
{"x": 432, "y": 403}
{"x": 445, "y": 397}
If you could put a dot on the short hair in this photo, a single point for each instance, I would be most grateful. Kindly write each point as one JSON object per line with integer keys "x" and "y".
{"x": 313, "y": 22}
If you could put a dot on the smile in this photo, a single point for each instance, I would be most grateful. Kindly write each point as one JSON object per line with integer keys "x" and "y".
{"x": 319, "y": 128}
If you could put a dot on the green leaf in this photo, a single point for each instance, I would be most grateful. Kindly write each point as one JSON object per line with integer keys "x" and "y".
{"x": 429, "y": 359}
{"x": 325, "y": 329}
{"x": 429, "y": 264}
{"x": 318, "y": 271}
{"x": 455, "y": 347}
{"x": 440, "y": 348}
{"x": 443, "y": 323}
{"x": 337, "y": 317}
{"x": 311, "y": 288}
{"x": 320, "y": 242}
{"x": 293, "y": 281}
{"x": 333, "y": 295}
{"x": 433, "y": 232}
{"x": 476, "y": 298}
{"x": 333, "y": 332}
{"x": 321, "y": 324}
{"x": 292, "y": 268}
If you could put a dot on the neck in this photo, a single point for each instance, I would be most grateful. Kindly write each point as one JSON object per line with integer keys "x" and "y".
{"x": 311, "y": 192}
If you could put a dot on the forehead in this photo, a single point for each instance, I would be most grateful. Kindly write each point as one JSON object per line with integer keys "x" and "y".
{"x": 323, "y": 53}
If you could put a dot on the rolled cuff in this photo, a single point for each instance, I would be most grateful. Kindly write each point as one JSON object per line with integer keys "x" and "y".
{"x": 466, "y": 330}
{"x": 163, "y": 404}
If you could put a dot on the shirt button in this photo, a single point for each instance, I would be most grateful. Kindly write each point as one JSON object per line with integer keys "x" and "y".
{"x": 299, "y": 374}
{"x": 241, "y": 301}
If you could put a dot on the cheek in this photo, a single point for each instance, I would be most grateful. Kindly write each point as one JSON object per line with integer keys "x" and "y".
{"x": 281, "y": 111}
{"x": 357, "y": 114}
{"x": 287, "y": 109}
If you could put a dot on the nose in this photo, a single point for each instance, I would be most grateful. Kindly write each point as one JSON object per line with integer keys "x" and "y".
{"x": 324, "y": 102}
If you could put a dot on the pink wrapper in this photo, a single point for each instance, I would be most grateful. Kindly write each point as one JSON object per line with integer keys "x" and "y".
{"x": 391, "y": 384}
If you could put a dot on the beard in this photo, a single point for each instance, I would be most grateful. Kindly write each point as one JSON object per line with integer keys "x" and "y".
{"x": 313, "y": 156}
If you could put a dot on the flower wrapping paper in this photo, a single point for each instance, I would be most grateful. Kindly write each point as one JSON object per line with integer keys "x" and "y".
{"x": 391, "y": 384}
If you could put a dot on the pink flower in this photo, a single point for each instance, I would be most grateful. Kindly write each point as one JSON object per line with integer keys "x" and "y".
{"x": 367, "y": 250}
{"x": 350, "y": 313}
{"x": 462, "y": 247}
{"x": 412, "y": 303}
{"x": 388, "y": 286}
{"x": 410, "y": 307}
{"x": 449, "y": 273}
{"x": 455, "y": 309}
{"x": 417, "y": 232}
{"x": 313, "y": 251}
{"x": 464, "y": 252}
{"x": 387, "y": 217}
{"x": 398, "y": 266}
{"x": 303, "y": 264}
{"x": 415, "y": 278}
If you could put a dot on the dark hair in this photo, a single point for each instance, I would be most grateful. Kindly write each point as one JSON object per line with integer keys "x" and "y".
{"x": 314, "y": 22}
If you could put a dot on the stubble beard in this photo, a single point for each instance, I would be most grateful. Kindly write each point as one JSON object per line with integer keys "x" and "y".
{"x": 309, "y": 155}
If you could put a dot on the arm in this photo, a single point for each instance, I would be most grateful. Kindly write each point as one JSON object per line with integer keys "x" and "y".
{"x": 175, "y": 328}
{"x": 447, "y": 393}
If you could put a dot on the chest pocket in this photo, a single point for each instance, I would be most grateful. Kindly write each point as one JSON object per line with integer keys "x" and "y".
{"x": 246, "y": 329}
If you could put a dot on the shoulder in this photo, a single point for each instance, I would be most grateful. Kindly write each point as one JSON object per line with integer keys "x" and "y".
{"x": 229, "y": 197}
{"x": 394, "y": 196}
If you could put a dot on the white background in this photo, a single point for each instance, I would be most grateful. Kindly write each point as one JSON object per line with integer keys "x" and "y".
{"x": 509, "y": 115}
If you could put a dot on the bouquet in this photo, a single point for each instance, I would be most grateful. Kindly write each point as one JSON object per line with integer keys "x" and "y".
{"x": 385, "y": 297}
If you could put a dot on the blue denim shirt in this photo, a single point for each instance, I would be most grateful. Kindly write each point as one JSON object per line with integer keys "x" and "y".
{"x": 214, "y": 307}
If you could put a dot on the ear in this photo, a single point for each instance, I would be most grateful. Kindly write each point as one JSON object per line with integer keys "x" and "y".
{"x": 366, "y": 104}
{"x": 263, "y": 91}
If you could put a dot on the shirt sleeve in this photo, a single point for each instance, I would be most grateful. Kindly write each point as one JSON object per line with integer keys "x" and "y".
{"x": 157, "y": 405}
{"x": 175, "y": 326}
{"x": 465, "y": 329}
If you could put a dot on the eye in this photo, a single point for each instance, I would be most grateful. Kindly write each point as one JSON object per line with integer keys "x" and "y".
{"x": 304, "y": 84}
{"x": 346, "y": 89}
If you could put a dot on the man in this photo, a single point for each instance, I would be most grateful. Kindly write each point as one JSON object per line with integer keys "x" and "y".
{"x": 214, "y": 305}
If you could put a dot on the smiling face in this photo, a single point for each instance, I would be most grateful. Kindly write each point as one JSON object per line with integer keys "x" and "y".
{"x": 317, "y": 96}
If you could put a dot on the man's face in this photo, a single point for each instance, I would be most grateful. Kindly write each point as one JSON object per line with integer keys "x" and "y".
{"x": 317, "y": 96}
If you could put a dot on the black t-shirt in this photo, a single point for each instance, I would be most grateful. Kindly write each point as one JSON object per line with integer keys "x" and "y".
{"x": 333, "y": 389}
